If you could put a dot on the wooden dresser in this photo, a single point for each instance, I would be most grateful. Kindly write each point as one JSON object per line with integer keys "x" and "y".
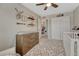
{"x": 25, "y": 42}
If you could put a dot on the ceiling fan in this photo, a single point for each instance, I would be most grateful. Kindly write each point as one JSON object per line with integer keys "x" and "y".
{"x": 48, "y": 5}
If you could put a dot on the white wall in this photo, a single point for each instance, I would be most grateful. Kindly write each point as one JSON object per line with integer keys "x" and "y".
{"x": 76, "y": 16}
{"x": 8, "y": 27}
{"x": 26, "y": 27}
{"x": 27, "y": 13}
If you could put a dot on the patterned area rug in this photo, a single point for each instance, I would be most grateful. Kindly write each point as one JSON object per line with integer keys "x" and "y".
{"x": 44, "y": 48}
{"x": 47, "y": 48}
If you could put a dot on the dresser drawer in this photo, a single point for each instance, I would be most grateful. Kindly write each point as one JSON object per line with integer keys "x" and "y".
{"x": 30, "y": 38}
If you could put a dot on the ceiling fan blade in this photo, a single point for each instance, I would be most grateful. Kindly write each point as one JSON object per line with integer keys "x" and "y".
{"x": 54, "y": 5}
{"x": 45, "y": 8}
{"x": 40, "y": 4}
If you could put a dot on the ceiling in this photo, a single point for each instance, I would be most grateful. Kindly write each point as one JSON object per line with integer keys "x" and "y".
{"x": 63, "y": 8}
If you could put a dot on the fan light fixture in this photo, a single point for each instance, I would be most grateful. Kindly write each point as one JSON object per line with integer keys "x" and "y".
{"x": 48, "y": 4}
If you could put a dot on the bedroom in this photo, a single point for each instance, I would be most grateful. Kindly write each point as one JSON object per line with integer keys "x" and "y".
{"x": 24, "y": 18}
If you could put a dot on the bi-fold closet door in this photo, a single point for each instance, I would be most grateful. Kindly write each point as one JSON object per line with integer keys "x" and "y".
{"x": 59, "y": 25}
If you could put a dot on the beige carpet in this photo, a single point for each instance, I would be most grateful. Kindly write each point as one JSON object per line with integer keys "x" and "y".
{"x": 44, "y": 48}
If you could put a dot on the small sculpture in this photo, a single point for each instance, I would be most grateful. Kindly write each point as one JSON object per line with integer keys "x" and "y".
{"x": 19, "y": 13}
